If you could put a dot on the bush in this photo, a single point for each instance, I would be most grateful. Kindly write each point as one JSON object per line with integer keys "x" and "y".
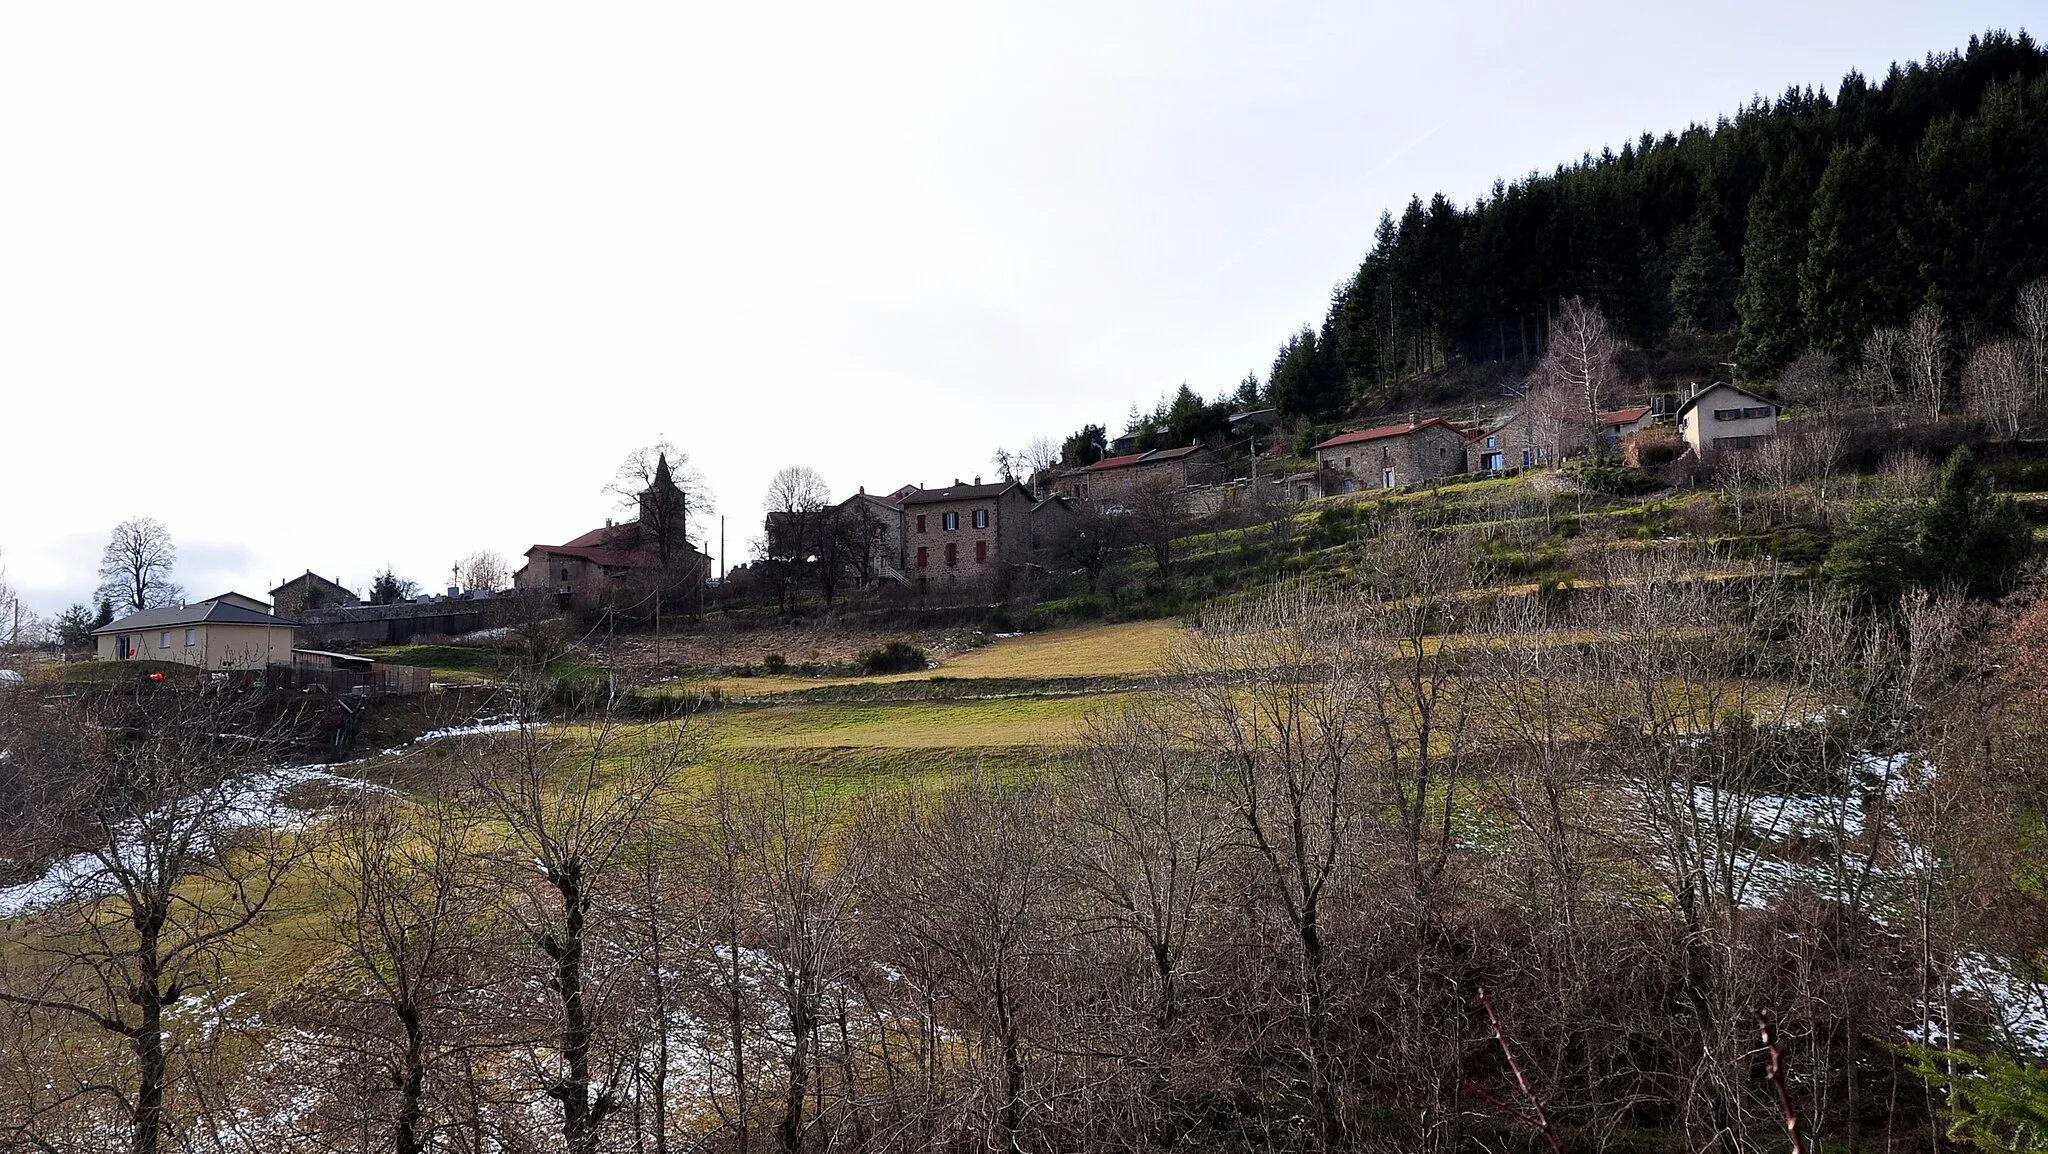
{"x": 1612, "y": 480}
{"x": 895, "y": 657}
{"x": 775, "y": 663}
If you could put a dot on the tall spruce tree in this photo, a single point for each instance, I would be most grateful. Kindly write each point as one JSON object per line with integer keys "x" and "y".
{"x": 1703, "y": 284}
{"x": 1772, "y": 249}
{"x": 1858, "y": 270}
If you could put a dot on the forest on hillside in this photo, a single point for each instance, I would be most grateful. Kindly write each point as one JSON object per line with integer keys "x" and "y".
{"x": 1801, "y": 224}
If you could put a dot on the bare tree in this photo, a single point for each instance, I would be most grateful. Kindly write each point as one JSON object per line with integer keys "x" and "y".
{"x": 796, "y": 504}
{"x": 404, "y": 926}
{"x": 1277, "y": 687}
{"x": 1880, "y": 370}
{"x": 1813, "y": 379}
{"x": 1093, "y": 538}
{"x": 1157, "y": 518}
{"x": 483, "y": 571}
{"x": 2030, "y": 317}
{"x": 1029, "y": 465}
{"x": 1997, "y": 382}
{"x": 967, "y": 884}
{"x": 1580, "y": 364}
{"x": 1924, "y": 351}
{"x": 572, "y": 809}
{"x": 666, "y": 497}
{"x": 135, "y": 567}
{"x": 159, "y": 872}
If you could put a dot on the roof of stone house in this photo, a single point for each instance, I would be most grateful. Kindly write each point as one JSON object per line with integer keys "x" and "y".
{"x": 1625, "y": 416}
{"x": 959, "y": 492}
{"x": 1147, "y": 458}
{"x": 310, "y": 577}
{"x": 598, "y": 548}
{"x": 1400, "y": 430}
{"x": 1113, "y": 462}
{"x": 1693, "y": 400}
{"x": 197, "y": 613}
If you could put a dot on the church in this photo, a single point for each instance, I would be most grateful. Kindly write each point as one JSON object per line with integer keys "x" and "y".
{"x": 621, "y": 564}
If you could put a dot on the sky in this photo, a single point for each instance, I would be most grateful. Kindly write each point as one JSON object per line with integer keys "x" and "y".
{"x": 346, "y": 286}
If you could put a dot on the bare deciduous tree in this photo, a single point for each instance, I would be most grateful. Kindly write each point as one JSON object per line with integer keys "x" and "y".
{"x": 1580, "y": 364}
{"x": 483, "y": 571}
{"x": 1924, "y": 352}
{"x": 135, "y": 567}
{"x": 2030, "y": 317}
{"x": 159, "y": 873}
{"x": 1813, "y": 379}
{"x": 571, "y": 808}
{"x": 1880, "y": 370}
{"x": 1997, "y": 382}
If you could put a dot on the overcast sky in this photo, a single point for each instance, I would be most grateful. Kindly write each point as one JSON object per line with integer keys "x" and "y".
{"x": 334, "y": 286}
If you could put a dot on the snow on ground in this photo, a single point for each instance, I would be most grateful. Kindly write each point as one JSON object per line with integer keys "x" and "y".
{"x": 270, "y": 798}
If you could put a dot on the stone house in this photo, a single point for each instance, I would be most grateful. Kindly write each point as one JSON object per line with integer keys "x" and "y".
{"x": 1114, "y": 479}
{"x": 1393, "y": 455}
{"x": 213, "y": 634}
{"x": 310, "y": 591}
{"x": 964, "y": 534}
{"x": 1722, "y": 417}
{"x": 871, "y": 527}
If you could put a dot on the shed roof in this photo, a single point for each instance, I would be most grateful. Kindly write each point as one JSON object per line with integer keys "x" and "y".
{"x": 1625, "y": 416}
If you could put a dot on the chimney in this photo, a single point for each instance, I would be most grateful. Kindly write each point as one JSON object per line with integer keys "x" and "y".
{"x": 956, "y": 482}
{"x": 607, "y": 522}
{"x": 863, "y": 490}
{"x": 977, "y": 479}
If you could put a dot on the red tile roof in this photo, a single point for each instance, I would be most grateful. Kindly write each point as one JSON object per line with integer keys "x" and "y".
{"x": 1401, "y": 430}
{"x": 1114, "y": 462}
{"x": 1625, "y": 416}
{"x": 598, "y": 547}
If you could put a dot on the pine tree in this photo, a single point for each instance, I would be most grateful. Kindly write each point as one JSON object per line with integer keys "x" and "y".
{"x": 1971, "y": 539}
{"x": 1768, "y": 305}
{"x": 1704, "y": 282}
{"x": 1858, "y": 272}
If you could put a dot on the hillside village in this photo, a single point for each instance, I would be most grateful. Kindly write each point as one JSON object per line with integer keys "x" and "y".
{"x": 1590, "y": 695}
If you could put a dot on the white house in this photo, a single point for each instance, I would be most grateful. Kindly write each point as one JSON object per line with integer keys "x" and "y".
{"x": 1724, "y": 416}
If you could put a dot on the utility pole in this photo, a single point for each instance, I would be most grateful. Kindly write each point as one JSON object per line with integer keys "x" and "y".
{"x": 721, "y": 548}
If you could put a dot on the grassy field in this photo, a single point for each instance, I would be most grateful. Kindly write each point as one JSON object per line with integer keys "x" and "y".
{"x": 1132, "y": 649}
{"x": 1005, "y": 724}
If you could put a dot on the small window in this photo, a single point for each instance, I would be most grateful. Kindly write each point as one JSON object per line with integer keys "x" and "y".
{"x": 981, "y": 550}
{"x": 1347, "y": 462}
{"x": 191, "y": 637}
{"x": 920, "y": 525}
{"x": 952, "y": 551}
{"x": 1727, "y": 414}
{"x": 565, "y": 572}
{"x": 165, "y": 643}
{"x": 950, "y": 522}
{"x": 1755, "y": 411}
{"x": 981, "y": 518}
{"x": 1490, "y": 444}
{"x": 923, "y": 554}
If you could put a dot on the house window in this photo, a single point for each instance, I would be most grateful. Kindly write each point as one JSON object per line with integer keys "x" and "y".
{"x": 565, "y": 572}
{"x": 1525, "y": 458}
{"x": 1755, "y": 411}
{"x": 923, "y": 554}
{"x": 981, "y": 518}
{"x": 952, "y": 552}
{"x": 949, "y": 522}
{"x": 1490, "y": 444}
{"x": 191, "y": 636}
{"x": 1386, "y": 478}
{"x": 920, "y": 522}
{"x": 980, "y": 551}
{"x": 1727, "y": 414}
{"x": 164, "y": 641}
{"x": 1347, "y": 462}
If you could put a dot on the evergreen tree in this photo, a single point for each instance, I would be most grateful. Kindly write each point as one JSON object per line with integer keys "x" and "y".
{"x": 1768, "y": 304}
{"x": 1703, "y": 285}
{"x": 1304, "y": 381}
{"x": 1971, "y": 539}
{"x": 1857, "y": 273}
{"x": 105, "y": 616}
